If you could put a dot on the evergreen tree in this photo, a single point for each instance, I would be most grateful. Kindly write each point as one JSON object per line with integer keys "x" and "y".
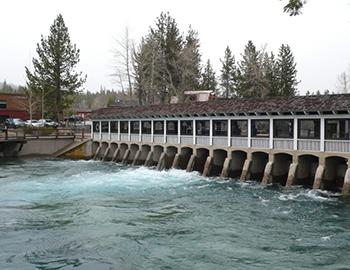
{"x": 190, "y": 64}
{"x": 208, "y": 81}
{"x": 251, "y": 80}
{"x": 270, "y": 73}
{"x": 54, "y": 77}
{"x": 167, "y": 35}
{"x": 228, "y": 74}
{"x": 293, "y": 7}
{"x": 287, "y": 81}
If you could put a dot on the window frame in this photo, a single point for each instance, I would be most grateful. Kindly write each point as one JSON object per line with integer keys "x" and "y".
{"x": 252, "y": 128}
{"x": 239, "y": 120}
{"x": 309, "y": 138}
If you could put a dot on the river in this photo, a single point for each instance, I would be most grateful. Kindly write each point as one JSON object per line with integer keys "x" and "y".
{"x": 64, "y": 214}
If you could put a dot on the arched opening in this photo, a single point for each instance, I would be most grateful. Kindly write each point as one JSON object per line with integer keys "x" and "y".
{"x": 333, "y": 178}
{"x": 257, "y": 167}
{"x": 157, "y": 152}
{"x": 171, "y": 151}
{"x": 133, "y": 150}
{"x": 122, "y": 149}
{"x": 236, "y": 164}
{"x": 280, "y": 168}
{"x": 201, "y": 157}
{"x": 145, "y": 149}
{"x": 219, "y": 157}
{"x": 186, "y": 153}
{"x": 112, "y": 148}
{"x": 305, "y": 174}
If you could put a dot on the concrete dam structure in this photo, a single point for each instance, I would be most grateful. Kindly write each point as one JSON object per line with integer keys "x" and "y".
{"x": 302, "y": 140}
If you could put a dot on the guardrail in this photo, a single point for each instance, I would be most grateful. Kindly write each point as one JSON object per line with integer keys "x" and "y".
{"x": 37, "y": 133}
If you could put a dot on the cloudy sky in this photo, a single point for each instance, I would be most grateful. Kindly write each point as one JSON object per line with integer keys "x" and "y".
{"x": 319, "y": 38}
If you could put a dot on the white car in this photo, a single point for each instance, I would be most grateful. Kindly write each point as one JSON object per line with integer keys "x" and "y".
{"x": 48, "y": 123}
{"x": 33, "y": 123}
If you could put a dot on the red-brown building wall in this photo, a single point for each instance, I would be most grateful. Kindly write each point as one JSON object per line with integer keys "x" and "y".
{"x": 15, "y": 106}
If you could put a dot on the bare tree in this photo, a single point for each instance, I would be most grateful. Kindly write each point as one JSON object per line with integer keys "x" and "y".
{"x": 343, "y": 83}
{"x": 124, "y": 63}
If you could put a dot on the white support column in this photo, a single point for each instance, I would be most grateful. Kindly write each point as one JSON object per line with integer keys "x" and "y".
{"x": 118, "y": 130}
{"x": 164, "y": 131}
{"x": 152, "y": 131}
{"x": 228, "y": 132}
{"x": 271, "y": 134}
{"x": 178, "y": 131}
{"x": 211, "y": 132}
{"x": 100, "y": 130}
{"x": 295, "y": 134}
{"x": 129, "y": 130}
{"x": 109, "y": 130}
{"x": 194, "y": 131}
{"x": 249, "y": 132}
{"x": 140, "y": 131}
{"x": 322, "y": 134}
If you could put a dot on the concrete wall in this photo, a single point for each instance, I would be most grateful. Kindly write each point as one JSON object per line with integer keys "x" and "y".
{"x": 44, "y": 146}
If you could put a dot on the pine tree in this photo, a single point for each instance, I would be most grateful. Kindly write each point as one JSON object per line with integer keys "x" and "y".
{"x": 287, "y": 81}
{"x": 208, "y": 81}
{"x": 250, "y": 79}
{"x": 54, "y": 76}
{"x": 190, "y": 63}
{"x": 167, "y": 34}
{"x": 270, "y": 73}
{"x": 228, "y": 74}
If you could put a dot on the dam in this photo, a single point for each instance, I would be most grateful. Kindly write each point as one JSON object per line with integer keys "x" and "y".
{"x": 301, "y": 140}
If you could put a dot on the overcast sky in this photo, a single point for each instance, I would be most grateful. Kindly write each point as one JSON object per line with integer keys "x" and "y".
{"x": 319, "y": 38}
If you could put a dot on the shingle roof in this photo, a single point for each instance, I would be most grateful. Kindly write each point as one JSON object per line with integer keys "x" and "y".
{"x": 322, "y": 103}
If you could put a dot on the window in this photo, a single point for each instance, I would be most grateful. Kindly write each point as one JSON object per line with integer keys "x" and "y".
{"x": 309, "y": 128}
{"x": 260, "y": 128}
{"x": 96, "y": 126}
{"x": 135, "y": 127}
{"x": 114, "y": 126}
{"x": 3, "y": 104}
{"x": 104, "y": 125}
{"x": 158, "y": 127}
{"x": 186, "y": 127}
{"x": 220, "y": 127}
{"x": 146, "y": 127}
{"x": 171, "y": 127}
{"x": 239, "y": 128}
{"x": 202, "y": 127}
{"x": 124, "y": 127}
{"x": 337, "y": 129}
{"x": 283, "y": 128}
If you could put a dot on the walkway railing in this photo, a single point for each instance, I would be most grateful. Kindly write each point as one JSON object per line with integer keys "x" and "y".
{"x": 40, "y": 133}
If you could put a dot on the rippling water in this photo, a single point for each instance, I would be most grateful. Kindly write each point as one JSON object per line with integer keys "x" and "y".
{"x": 63, "y": 214}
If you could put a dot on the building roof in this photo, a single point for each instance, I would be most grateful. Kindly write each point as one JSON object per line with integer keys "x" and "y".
{"x": 320, "y": 104}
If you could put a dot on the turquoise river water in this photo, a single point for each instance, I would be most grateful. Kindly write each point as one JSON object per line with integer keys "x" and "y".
{"x": 64, "y": 214}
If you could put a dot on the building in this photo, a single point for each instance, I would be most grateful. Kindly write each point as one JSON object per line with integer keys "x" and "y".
{"x": 302, "y": 140}
{"x": 12, "y": 105}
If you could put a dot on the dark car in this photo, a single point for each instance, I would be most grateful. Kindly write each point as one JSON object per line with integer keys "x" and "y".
{"x": 14, "y": 123}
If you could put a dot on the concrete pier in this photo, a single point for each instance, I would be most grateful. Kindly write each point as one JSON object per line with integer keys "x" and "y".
{"x": 268, "y": 167}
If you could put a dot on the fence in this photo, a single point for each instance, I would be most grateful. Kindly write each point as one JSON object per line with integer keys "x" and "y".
{"x": 37, "y": 133}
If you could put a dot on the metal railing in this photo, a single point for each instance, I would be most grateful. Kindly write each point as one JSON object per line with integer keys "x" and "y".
{"x": 38, "y": 133}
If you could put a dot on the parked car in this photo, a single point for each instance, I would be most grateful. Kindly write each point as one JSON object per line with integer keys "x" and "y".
{"x": 34, "y": 123}
{"x": 14, "y": 123}
{"x": 48, "y": 123}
